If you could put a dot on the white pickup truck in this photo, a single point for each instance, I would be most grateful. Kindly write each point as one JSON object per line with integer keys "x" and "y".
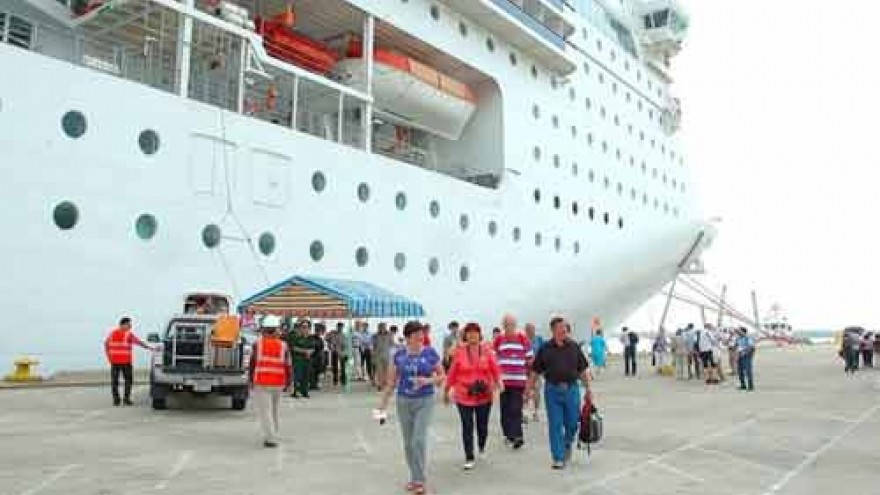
{"x": 201, "y": 352}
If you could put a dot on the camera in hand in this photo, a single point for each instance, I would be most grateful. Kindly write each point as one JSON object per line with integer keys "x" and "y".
{"x": 478, "y": 388}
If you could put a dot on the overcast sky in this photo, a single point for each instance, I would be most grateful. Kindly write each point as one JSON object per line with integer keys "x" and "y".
{"x": 780, "y": 109}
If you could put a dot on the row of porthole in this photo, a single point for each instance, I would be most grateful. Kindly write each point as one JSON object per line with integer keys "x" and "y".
{"x": 536, "y": 113}
{"x": 575, "y": 209}
{"x": 74, "y": 125}
{"x": 674, "y": 184}
{"x": 626, "y": 65}
{"x": 639, "y": 102}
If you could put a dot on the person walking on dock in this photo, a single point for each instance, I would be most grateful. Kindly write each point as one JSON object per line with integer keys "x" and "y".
{"x": 562, "y": 363}
{"x": 514, "y": 355}
{"x": 598, "y": 351}
{"x": 851, "y": 344}
{"x": 301, "y": 346}
{"x": 383, "y": 343}
{"x": 415, "y": 372}
{"x": 630, "y": 341}
{"x": 338, "y": 354}
{"x": 473, "y": 379}
{"x": 269, "y": 376}
{"x": 118, "y": 349}
{"x": 745, "y": 350}
{"x": 319, "y": 365}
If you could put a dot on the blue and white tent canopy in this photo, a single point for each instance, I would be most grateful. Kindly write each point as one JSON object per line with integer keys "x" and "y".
{"x": 331, "y": 298}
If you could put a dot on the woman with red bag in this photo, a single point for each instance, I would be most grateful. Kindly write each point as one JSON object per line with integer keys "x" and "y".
{"x": 473, "y": 379}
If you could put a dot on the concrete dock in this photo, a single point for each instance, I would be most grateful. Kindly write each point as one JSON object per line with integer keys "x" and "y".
{"x": 807, "y": 429}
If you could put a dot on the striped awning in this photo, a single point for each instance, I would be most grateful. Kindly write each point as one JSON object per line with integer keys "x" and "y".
{"x": 331, "y": 298}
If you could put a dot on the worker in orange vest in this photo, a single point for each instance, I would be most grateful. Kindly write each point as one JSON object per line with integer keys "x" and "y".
{"x": 118, "y": 348}
{"x": 270, "y": 377}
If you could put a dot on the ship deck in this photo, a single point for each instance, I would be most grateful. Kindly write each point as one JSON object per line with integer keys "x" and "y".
{"x": 807, "y": 429}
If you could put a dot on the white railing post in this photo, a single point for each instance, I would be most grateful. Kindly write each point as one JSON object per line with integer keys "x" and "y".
{"x": 293, "y": 116}
{"x": 367, "y": 49}
{"x": 184, "y": 49}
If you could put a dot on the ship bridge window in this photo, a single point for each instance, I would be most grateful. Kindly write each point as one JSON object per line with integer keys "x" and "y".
{"x": 16, "y": 31}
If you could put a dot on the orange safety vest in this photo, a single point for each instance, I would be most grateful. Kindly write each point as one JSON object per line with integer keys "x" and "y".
{"x": 269, "y": 366}
{"x": 119, "y": 346}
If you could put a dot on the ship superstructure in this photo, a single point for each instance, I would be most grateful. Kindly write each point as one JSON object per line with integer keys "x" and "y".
{"x": 479, "y": 156}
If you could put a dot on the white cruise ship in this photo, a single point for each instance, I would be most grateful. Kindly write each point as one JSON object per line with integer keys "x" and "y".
{"x": 477, "y": 156}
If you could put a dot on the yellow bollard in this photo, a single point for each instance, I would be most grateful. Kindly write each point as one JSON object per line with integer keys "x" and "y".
{"x": 23, "y": 371}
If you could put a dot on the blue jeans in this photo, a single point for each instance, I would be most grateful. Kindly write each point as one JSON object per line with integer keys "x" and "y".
{"x": 563, "y": 415}
{"x": 744, "y": 368}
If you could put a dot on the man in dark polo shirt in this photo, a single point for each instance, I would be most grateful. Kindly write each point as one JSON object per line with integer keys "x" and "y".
{"x": 562, "y": 363}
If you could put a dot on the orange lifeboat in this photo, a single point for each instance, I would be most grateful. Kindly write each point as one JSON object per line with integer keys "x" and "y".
{"x": 404, "y": 87}
{"x": 282, "y": 42}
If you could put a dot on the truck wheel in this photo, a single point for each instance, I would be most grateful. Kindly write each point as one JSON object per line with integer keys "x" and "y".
{"x": 239, "y": 403}
{"x": 160, "y": 404}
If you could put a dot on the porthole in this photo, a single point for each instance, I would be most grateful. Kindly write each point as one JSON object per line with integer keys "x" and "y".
{"x": 319, "y": 181}
{"x": 589, "y": 103}
{"x": 601, "y": 78}
{"x": 656, "y": 204}
{"x": 556, "y": 161}
{"x": 664, "y": 179}
{"x": 572, "y": 94}
{"x": 606, "y": 218}
{"x": 433, "y": 266}
{"x": 574, "y": 208}
{"x": 538, "y": 239}
{"x": 590, "y": 138}
{"x": 435, "y": 12}
{"x": 555, "y": 121}
{"x": 639, "y": 105}
{"x": 556, "y": 202}
{"x": 463, "y": 29}
{"x": 638, "y": 75}
{"x": 66, "y": 215}
{"x": 617, "y": 120}
{"x": 591, "y": 213}
{"x": 145, "y": 226}
{"x": 73, "y": 123}
{"x": 644, "y": 167}
{"x": 591, "y": 176}
{"x": 641, "y": 135}
{"x": 619, "y": 188}
{"x": 614, "y": 88}
{"x": 490, "y": 44}
{"x": 632, "y": 194}
{"x": 682, "y": 187}
{"x": 584, "y": 33}
{"x": 665, "y": 208}
{"x": 613, "y": 55}
{"x": 604, "y": 146}
{"x": 626, "y": 65}
{"x": 558, "y": 244}
{"x": 493, "y": 228}
{"x": 536, "y": 112}
{"x": 363, "y": 192}
{"x": 628, "y": 97}
{"x": 148, "y": 140}
{"x": 399, "y": 261}
{"x": 400, "y": 201}
{"x": 574, "y": 131}
{"x": 602, "y": 112}
{"x": 463, "y": 222}
{"x": 574, "y": 169}
{"x": 629, "y": 129}
{"x": 537, "y": 195}
{"x": 464, "y": 273}
{"x": 675, "y": 211}
{"x": 536, "y": 153}
{"x": 644, "y": 198}
{"x": 361, "y": 256}
{"x": 586, "y": 68}
{"x": 577, "y": 247}
{"x": 513, "y": 59}
{"x": 211, "y": 236}
{"x": 434, "y": 209}
{"x": 620, "y": 223}
{"x": 534, "y": 72}
{"x": 266, "y": 243}
{"x": 553, "y": 83}
{"x": 618, "y": 154}
{"x": 599, "y": 45}
{"x": 316, "y": 250}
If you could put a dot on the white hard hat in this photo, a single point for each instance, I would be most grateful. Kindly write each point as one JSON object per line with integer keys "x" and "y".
{"x": 270, "y": 321}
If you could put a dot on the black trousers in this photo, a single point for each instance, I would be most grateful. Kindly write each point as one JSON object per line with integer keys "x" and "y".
{"x": 471, "y": 416}
{"x": 367, "y": 362}
{"x": 511, "y": 413}
{"x": 337, "y": 365}
{"x": 629, "y": 359}
{"x": 868, "y": 358}
{"x": 127, "y": 373}
{"x": 317, "y": 370}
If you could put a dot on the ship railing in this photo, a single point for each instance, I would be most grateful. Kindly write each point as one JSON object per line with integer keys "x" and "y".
{"x": 213, "y": 61}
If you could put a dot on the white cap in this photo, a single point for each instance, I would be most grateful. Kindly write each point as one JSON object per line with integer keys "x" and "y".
{"x": 270, "y": 321}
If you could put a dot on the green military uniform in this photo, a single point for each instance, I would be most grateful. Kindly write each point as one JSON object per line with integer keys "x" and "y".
{"x": 302, "y": 362}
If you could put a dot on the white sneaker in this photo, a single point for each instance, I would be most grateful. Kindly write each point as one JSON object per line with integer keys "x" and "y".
{"x": 468, "y": 465}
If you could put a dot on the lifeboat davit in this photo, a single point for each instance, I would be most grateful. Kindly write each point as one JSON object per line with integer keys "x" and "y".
{"x": 282, "y": 42}
{"x": 412, "y": 92}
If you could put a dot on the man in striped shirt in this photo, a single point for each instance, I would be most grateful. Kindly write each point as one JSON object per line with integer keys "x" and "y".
{"x": 514, "y": 357}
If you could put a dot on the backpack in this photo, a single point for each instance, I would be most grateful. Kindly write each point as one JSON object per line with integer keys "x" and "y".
{"x": 591, "y": 426}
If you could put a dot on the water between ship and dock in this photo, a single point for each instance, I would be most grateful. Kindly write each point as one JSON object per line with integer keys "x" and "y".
{"x": 808, "y": 429}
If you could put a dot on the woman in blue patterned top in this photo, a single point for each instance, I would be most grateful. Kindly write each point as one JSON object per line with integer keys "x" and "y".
{"x": 416, "y": 370}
